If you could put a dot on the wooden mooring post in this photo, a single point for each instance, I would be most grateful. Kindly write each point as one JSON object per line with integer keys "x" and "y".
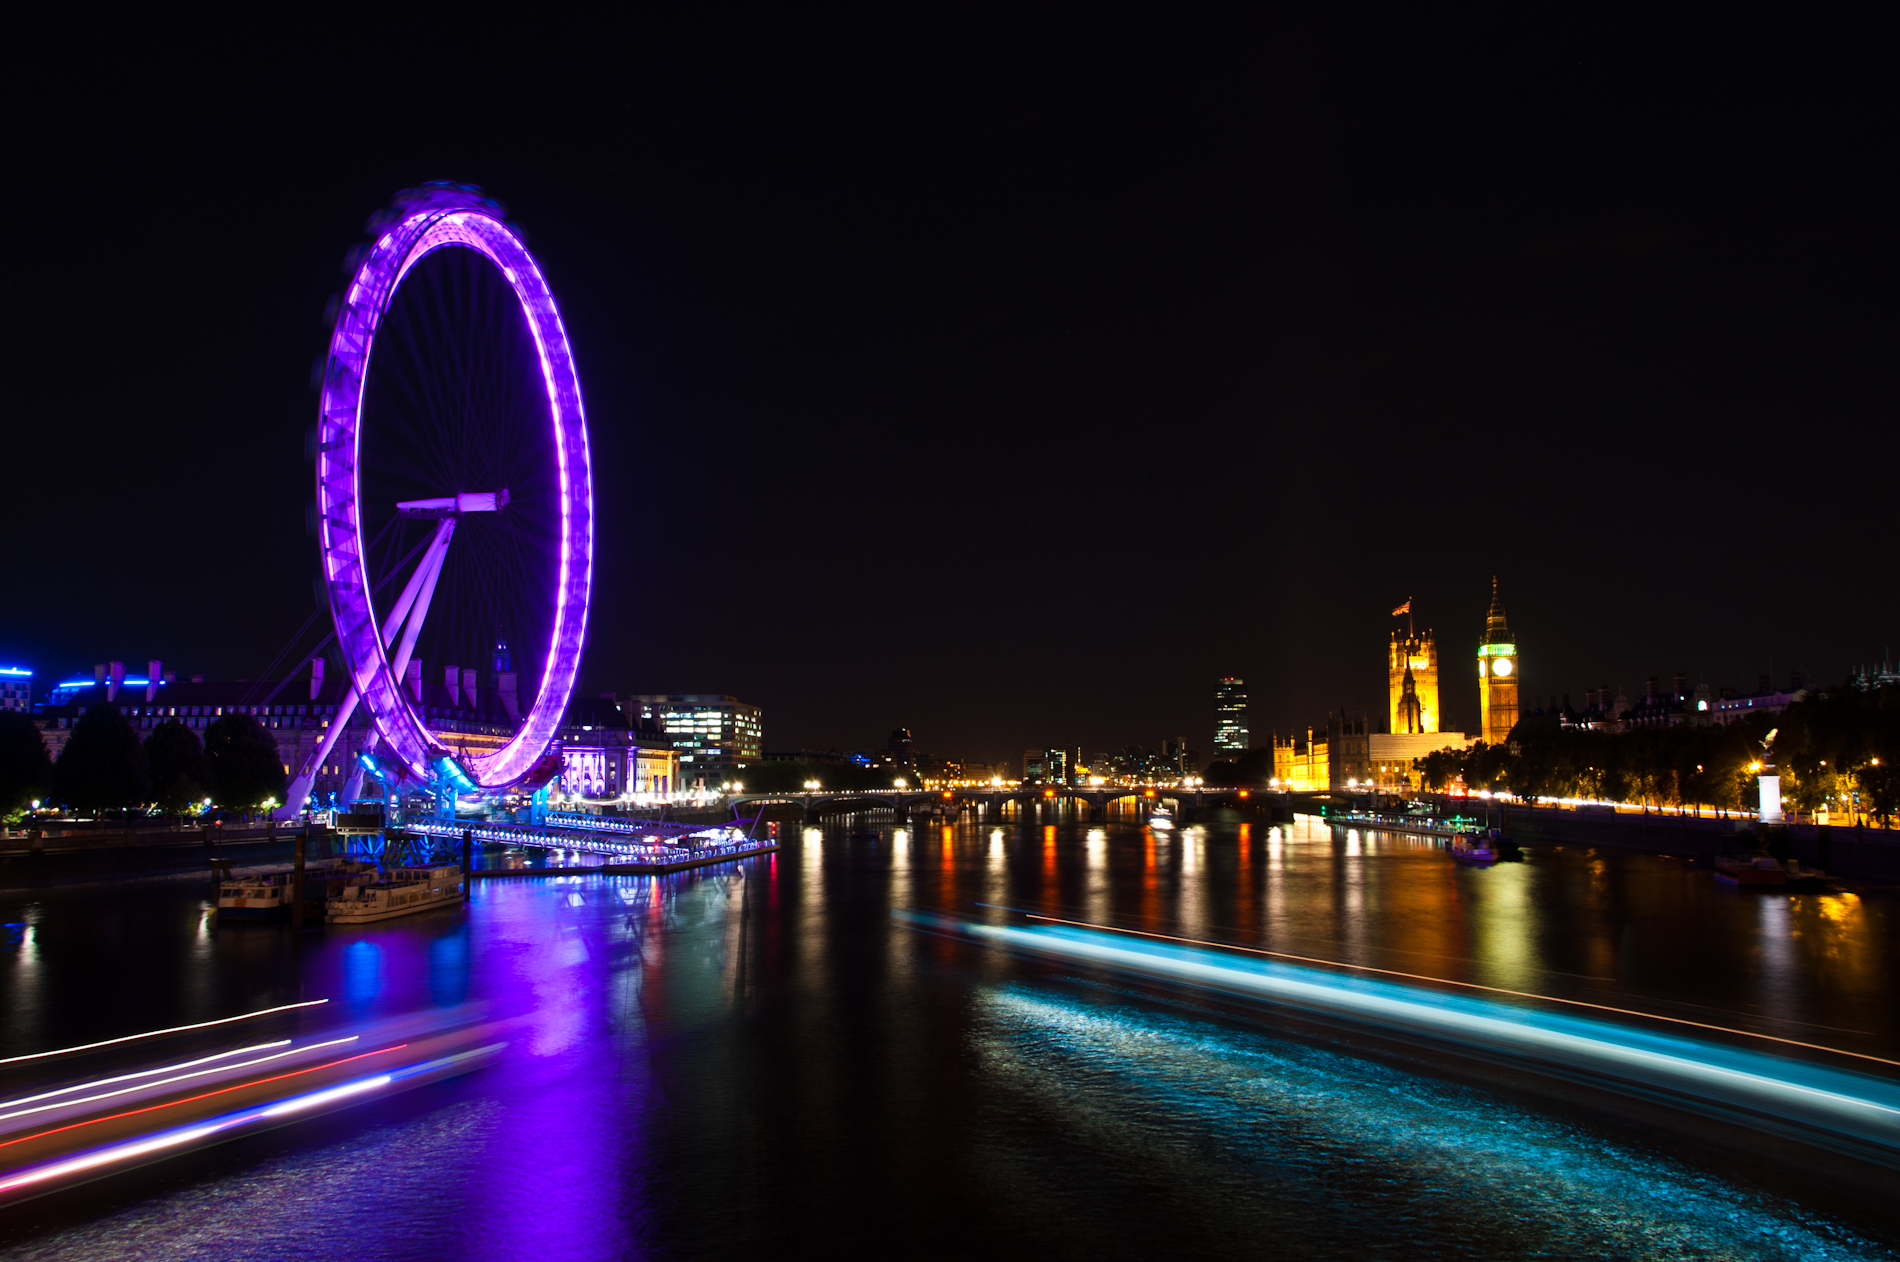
{"x": 298, "y": 847}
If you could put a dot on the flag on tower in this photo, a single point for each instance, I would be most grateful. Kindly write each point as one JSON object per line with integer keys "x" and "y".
{"x": 1404, "y": 608}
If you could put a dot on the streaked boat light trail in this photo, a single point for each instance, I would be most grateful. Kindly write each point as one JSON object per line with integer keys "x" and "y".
{"x": 1839, "y": 1109}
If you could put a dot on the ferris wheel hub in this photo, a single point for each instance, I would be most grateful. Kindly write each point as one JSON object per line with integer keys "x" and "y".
{"x": 455, "y": 505}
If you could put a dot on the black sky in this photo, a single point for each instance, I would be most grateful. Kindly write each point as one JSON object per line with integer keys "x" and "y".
{"x": 1011, "y": 374}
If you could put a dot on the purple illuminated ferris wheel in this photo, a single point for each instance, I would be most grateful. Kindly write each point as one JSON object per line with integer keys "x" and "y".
{"x": 454, "y": 494}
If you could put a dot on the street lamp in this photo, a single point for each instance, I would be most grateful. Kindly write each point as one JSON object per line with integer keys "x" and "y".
{"x": 899, "y": 782}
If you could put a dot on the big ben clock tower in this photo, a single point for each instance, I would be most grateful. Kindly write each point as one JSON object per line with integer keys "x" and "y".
{"x": 1498, "y": 665}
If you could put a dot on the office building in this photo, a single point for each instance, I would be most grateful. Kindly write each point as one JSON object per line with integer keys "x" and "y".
{"x": 1051, "y": 766}
{"x": 1230, "y": 717}
{"x": 715, "y": 735}
{"x": 16, "y": 688}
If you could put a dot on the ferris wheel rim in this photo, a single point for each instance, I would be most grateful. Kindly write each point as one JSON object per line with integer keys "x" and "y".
{"x": 427, "y": 220}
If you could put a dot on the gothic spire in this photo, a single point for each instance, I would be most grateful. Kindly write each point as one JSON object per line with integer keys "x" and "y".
{"x": 1494, "y": 621}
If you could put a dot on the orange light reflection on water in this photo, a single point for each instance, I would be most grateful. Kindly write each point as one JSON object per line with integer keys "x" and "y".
{"x": 1243, "y": 882}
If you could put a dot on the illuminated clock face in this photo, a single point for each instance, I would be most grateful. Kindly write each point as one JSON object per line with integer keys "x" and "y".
{"x": 1482, "y": 672}
{"x": 1501, "y": 667}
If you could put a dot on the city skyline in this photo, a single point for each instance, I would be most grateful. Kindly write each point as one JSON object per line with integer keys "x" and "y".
{"x": 1229, "y": 690}
{"x": 1091, "y": 631}
{"x": 789, "y": 363}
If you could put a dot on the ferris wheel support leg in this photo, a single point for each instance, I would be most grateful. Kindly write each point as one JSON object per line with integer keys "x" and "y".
{"x": 411, "y": 607}
{"x": 300, "y": 787}
{"x": 353, "y": 787}
{"x": 419, "y": 593}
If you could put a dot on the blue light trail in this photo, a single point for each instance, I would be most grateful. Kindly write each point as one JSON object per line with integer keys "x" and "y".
{"x": 1846, "y": 1111}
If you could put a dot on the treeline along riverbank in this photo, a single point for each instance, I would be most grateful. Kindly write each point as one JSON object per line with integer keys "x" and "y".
{"x": 1859, "y": 853}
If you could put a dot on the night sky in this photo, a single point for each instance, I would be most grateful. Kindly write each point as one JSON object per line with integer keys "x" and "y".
{"x": 1012, "y": 378}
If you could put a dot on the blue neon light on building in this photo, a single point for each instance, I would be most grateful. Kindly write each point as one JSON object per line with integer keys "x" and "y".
{"x": 16, "y": 688}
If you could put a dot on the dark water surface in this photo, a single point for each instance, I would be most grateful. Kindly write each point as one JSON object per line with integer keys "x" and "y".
{"x": 760, "y": 1058}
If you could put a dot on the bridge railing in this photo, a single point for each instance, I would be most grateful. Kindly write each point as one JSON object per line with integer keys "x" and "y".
{"x": 677, "y": 842}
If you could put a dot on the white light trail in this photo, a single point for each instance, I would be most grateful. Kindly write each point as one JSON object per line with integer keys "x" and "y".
{"x": 123, "y": 1152}
{"x": 149, "y": 1034}
{"x": 166, "y": 1082}
{"x": 143, "y": 1073}
{"x": 317, "y": 1098}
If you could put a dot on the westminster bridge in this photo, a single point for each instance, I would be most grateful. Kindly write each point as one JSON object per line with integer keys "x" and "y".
{"x": 991, "y": 802}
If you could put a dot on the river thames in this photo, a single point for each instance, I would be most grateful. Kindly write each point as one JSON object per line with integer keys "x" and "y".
{"x": 839, "y": 1049}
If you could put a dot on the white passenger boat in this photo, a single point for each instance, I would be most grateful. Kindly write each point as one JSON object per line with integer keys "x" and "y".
{"x": 1161, "y": 817}
{"x": 253, "y": 898}
{"x": 404, "y": 892}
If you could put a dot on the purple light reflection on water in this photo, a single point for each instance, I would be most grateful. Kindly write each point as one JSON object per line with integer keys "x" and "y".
{"x": 700, "y": 1065}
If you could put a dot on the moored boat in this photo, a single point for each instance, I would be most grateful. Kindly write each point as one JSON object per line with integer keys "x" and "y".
{"x": 1805, "y": 877}
{"x": 1753, "y": 871}
{"x": 405, "y": 892}
{"x": 1472, "y": 849}
{"x": 254, "y": 898}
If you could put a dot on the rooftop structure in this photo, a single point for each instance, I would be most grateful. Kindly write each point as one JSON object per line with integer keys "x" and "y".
{"x": 16, "y": 688}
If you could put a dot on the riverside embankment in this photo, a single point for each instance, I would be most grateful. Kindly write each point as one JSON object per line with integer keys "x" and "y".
{"x": 1864, "y": 854}
{"x": 78, "y": 857}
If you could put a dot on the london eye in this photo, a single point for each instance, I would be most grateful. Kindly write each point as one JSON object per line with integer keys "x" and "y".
{"x": 454, "y": 498}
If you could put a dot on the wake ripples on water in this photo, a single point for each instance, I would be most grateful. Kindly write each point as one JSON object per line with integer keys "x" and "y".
{"x": 375, "y": 1195}
{"x": 1314, "y": 1153}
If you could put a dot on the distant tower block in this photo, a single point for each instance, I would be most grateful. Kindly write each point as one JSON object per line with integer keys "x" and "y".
{"x": 1230, "y": 716}
{"x": 1498, "y": 671}
{"x": 1416, "y": 711}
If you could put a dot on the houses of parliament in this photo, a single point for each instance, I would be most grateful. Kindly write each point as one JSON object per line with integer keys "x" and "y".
{"x": 1344, "y": 754}
{"x": 1412, "y": 677}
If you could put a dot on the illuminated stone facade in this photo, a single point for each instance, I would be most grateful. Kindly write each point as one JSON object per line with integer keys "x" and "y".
{"x": 1416, "y": 710}
{"x": 1301, "y": 765}
{"x": 1391, "y": 755}
{"x": 1337, "y": 756}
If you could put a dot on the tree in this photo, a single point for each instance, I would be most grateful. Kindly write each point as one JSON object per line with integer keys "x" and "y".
{"x": 102, "y": 766}
{"x": 1488, "y": 767}
{"x": 790, "y": 777}
{"x": 1255, "y": 766}
{"x": 245, "y": 766}
{"x": 180, "y": 772}
{"x": 26, "y": 770}
{"x": 1439, "y": 768}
